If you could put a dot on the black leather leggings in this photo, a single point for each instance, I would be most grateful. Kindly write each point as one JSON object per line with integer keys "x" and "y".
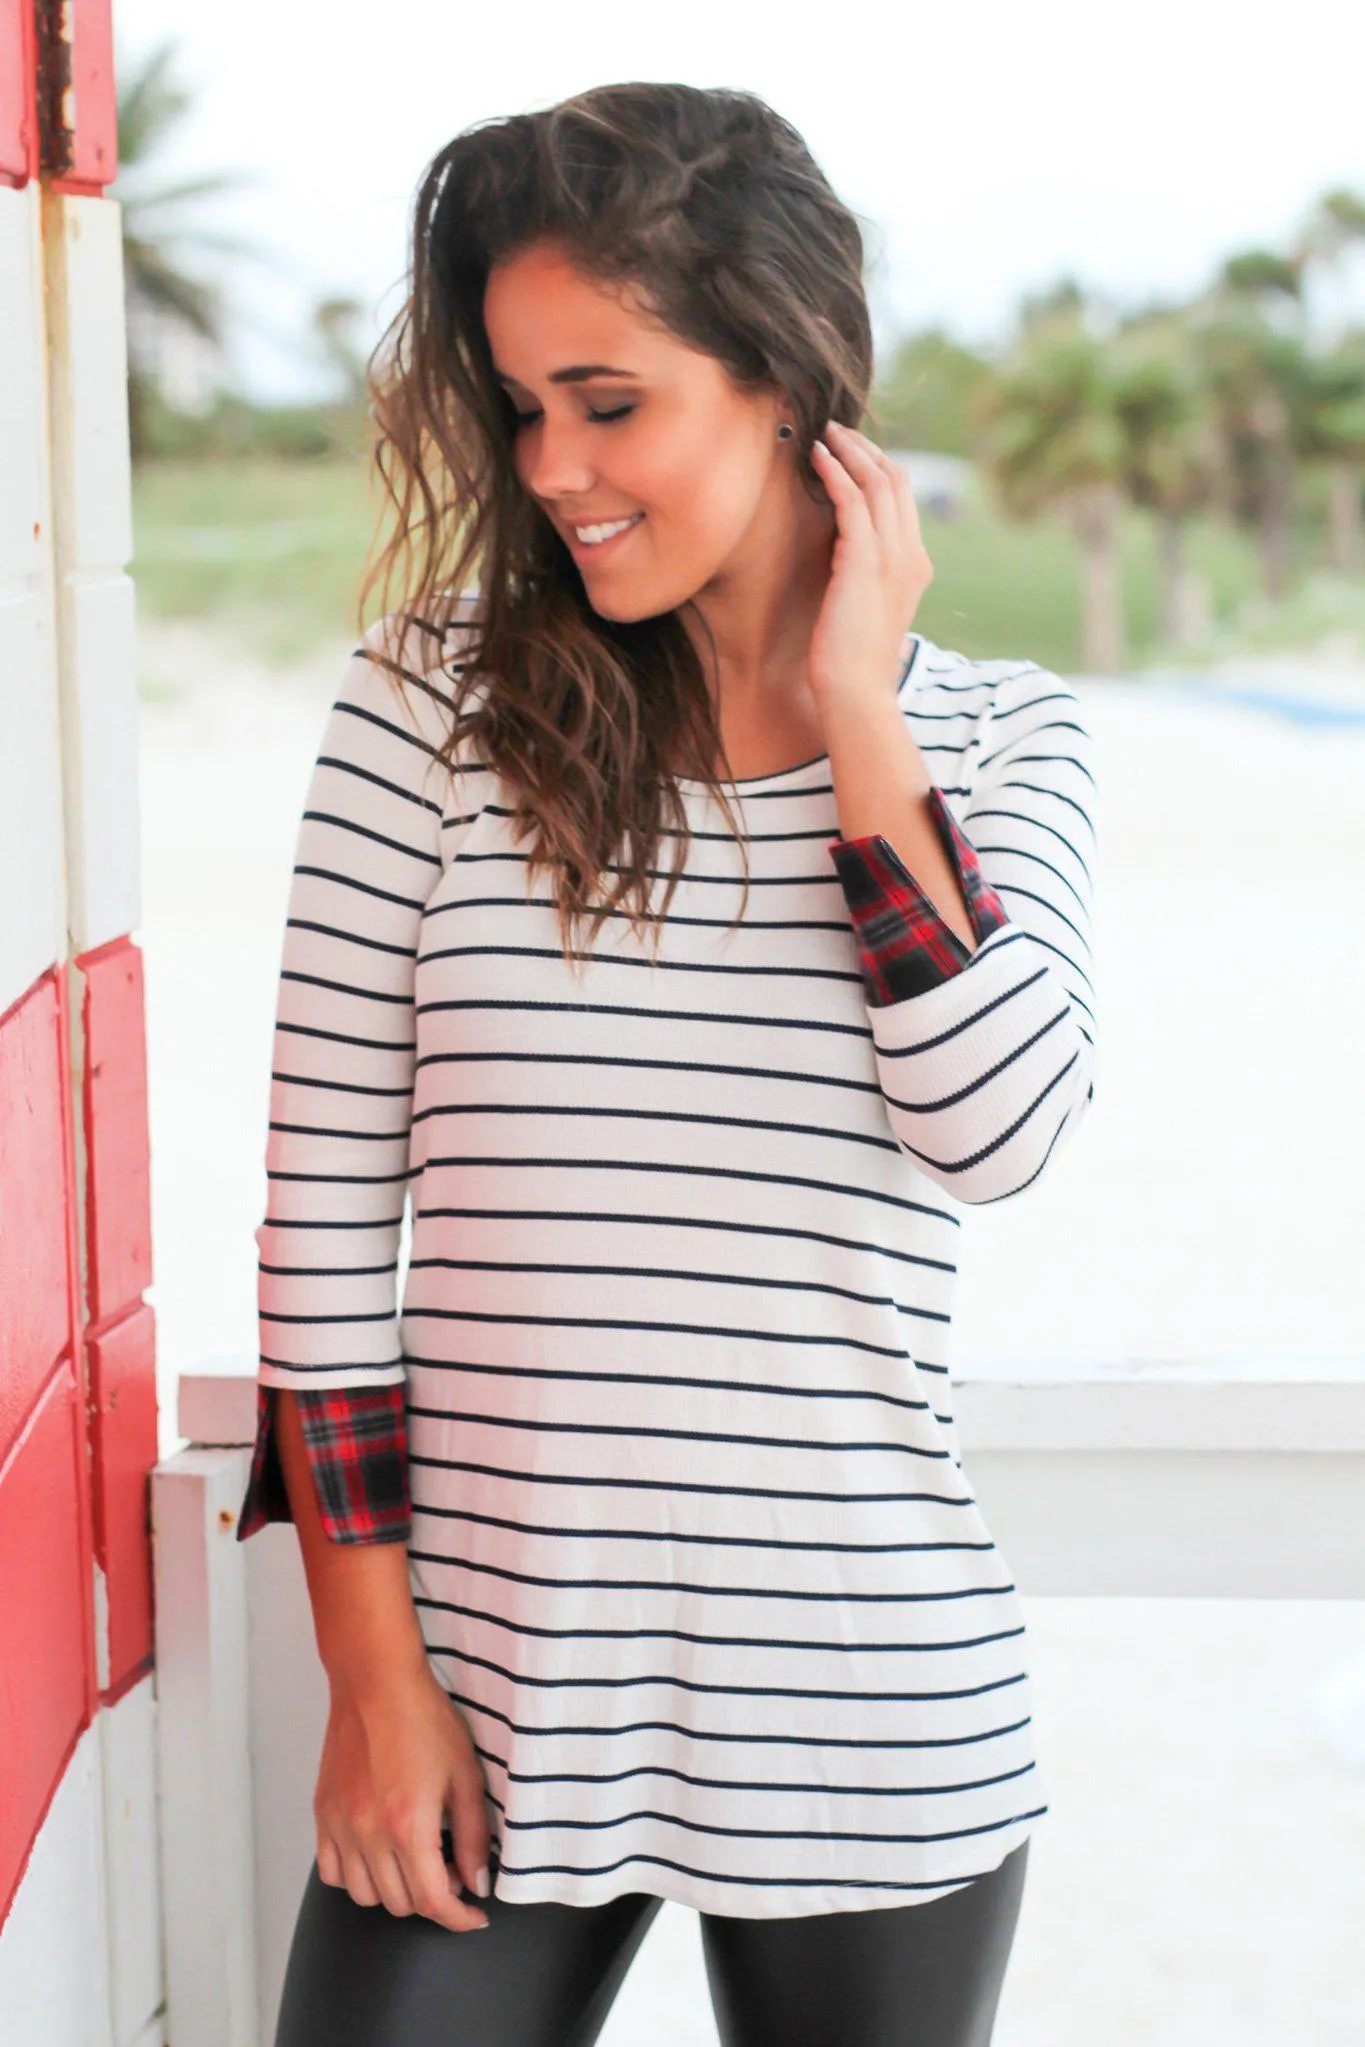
{"x": 926, "y": 1975}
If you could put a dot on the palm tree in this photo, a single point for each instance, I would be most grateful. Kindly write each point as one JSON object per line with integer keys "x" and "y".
{"x": 1334, "y": 434}
{"x": 1051, "y": 439}
{"x": 158, "y": 290}
{"x": 1250, "y": 333}
{"x": 1173, "y": 458}
{"x": 1336, "y": 224}
{"x": 922, "y": 399}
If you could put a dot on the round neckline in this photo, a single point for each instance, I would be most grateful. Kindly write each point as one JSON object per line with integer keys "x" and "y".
{"x": 798, "y": 767}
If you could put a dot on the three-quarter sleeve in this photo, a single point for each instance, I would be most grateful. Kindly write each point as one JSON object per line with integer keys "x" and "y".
{"x": 368, "y": 857}
{"x": 904, "y": 945}
{"x": 986, "y": 1059}
{"x": 357, "y": 1446}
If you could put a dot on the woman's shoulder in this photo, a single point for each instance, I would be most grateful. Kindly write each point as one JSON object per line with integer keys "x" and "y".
{"x": 944, "y": 682}
{"x": 409, "y": 676}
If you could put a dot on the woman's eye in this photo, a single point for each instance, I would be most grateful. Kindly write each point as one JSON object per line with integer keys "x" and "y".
{"x": 598, "y": 418}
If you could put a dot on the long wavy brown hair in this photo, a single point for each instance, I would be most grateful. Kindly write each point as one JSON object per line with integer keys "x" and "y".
{"x": 711, "y": 206}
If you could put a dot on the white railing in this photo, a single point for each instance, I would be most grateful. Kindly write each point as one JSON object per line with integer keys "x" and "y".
{"x": 1217, "y": 1479}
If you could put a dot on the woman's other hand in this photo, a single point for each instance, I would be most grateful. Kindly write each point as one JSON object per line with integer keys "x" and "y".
{"x": 397, "y": 1755}
{"x": 398, "y": 1758}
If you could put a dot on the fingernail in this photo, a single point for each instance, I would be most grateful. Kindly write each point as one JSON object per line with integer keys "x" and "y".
{"x": 481, "y": 1882}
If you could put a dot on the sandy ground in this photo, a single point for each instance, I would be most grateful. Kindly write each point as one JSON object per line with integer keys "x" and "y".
{"x": 1200, "y": 1877}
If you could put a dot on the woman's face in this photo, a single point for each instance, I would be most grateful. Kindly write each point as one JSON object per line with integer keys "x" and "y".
{"x": 661, "y": 476}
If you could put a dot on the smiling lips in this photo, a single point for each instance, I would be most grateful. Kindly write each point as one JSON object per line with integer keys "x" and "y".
{"x": 597, "y": 536}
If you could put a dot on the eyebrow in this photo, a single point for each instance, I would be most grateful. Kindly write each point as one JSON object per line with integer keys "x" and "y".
{"x": 577, "y": 373}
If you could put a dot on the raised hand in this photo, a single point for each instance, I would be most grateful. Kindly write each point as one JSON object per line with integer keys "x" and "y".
{"x": 878, "y": 573}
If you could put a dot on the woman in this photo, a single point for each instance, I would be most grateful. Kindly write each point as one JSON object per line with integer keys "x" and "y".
{"x": 641, "y": 1555}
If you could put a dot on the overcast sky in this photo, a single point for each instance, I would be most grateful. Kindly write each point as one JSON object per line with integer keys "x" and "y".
{"x": 993, "y": 147}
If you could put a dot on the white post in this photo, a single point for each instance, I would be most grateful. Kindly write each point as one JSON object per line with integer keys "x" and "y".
{"x": 203, "y": 1688}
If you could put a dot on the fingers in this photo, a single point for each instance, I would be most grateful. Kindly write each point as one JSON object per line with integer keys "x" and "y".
{"x": 386, "y": 1870}
{"x": 434, "y": 1888}
{"x": 405, "y": 1876}
{"x": 355, "y": 1874}
{"x": 850, "y": 505}
{"x": 874, "y": 475}
{"x": 469, "y": 1823}
{"x": 887, "y": 488}
{"x": 329, "y": 1861}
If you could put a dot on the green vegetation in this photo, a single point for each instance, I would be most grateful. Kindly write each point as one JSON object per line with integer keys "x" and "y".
{"x": 1228, "y": 411}
{"x": 268, "y": 552}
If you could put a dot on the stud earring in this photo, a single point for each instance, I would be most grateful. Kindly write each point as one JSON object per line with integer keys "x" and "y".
{"x": 785, "y": 432}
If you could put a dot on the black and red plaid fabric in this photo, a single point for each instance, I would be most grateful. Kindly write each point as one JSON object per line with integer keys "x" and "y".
{"x": 357, "y": 1443}
{"x": 904, "y": 946}
{"x": 356, "y": 1436}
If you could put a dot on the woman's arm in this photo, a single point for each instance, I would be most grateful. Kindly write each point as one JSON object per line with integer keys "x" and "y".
{"x": 397, "y": 1755}
{"x": 986, "y": 1054}
{"x": 338, "y": 1162}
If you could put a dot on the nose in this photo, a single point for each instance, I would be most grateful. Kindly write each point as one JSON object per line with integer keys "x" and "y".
{"x": 556, "y": 461}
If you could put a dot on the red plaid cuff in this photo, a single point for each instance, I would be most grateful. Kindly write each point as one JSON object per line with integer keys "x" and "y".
{"x": 904, "y": 946}
{"x": 357, "y": 1443}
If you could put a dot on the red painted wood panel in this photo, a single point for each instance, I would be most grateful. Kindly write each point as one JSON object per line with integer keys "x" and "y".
{"x": 44, "y": 1665}
{"x": 18, "y": 104}
{"x": 35, "y": 1252}
{"x": 118, "y": 1172}
{"x": 123, "y": 1437}
{"x": 94, "y": 157}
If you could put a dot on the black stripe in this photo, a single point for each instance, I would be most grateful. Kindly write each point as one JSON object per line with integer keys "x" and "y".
{"x": 351, "y": 1136}
{"x": 340, "y": 1087}
{"x": 632, "y": 1113}
{"x": 408, "y": 737}
{"x": 342, "y": 987}
{"x": 644, "y": 1633}
{"x": 1018, "y": 853}
{"x": 300, "y": 1030}
{"x": 365, "y": 888}
{"x": 1041, "y": 789}
{"x": 346, "y": 824}
{"x": 1023, "y": 817}
{"x": 757, "y": 1833}
{"x": 982, "y": 1080}
{"x": 510, "y": 1318}
{"x": 325, "y": 1272}
{"x": 863, "y": 1696}
{"x": 615, "y": 1729}
{"x": 755, "y": 1784}
{"x": 1006, "y": 938}
{"x": 635, "y": 1431}
{"x": 597, "y": 1534}
{"x": 727, "y": 1228}
{"x": 881, "y": 1195}
{"x": 378, "y": 1222}
{"x": 406, "y": 952}
{"x": 975, "y": 1158}
{"x": 674, "y": 1379}
{"x": 706, "y": 1591}
{"x": 345, "y": 767}
{"x": 758, "y": 1882}
{"x": 680, "y": 1485}
{"x": 825, "y": 1289}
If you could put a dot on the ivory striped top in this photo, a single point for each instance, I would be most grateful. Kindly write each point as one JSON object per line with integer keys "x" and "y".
{"x": 692, "y": 1545}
